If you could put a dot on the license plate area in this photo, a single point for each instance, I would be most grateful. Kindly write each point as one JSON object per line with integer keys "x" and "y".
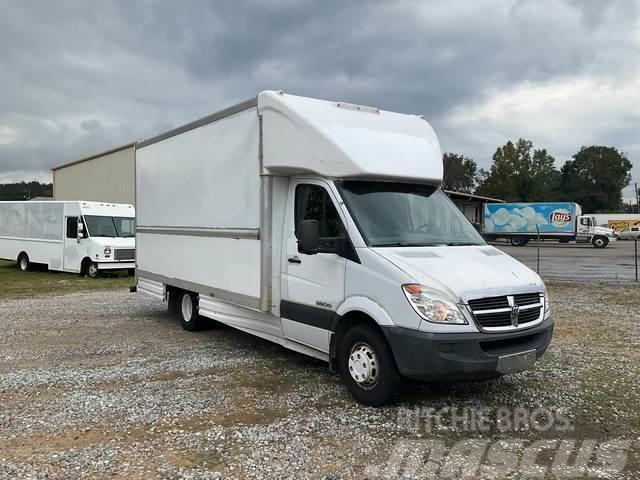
{"x": 516, "y": 362}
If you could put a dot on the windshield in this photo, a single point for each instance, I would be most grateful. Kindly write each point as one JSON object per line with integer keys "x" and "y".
{"x": 99, "y": 226}
{"x": 397, "y": 214}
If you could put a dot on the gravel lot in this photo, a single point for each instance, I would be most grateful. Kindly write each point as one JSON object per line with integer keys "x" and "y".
{"x": 107, "y": 384}
{"x": 578, "y": 263}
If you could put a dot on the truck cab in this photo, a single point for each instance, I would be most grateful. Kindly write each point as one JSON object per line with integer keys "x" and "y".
{"x": 99, "y": 237}
{"x": 404, "y": 256}
{"x": 588, "y": 231}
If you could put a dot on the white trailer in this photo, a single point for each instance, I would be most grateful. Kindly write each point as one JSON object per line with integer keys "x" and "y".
{"x": 321, "y": 226}
{"x": 79, "y": 237}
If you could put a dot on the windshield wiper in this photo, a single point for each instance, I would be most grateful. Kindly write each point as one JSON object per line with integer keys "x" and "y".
{"x": 408, "y": 244}
{"x": 462, "y": 244}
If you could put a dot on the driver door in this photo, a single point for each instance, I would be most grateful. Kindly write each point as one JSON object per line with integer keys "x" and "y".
{"x": 312, "y": 285}
{"x": 71, "y": 256}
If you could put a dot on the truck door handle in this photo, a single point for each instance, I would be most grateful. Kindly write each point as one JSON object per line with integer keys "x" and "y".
{"x": 294, "y": 259}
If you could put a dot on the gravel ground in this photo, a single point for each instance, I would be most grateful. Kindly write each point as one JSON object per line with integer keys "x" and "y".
{"x": 107, "y": 384}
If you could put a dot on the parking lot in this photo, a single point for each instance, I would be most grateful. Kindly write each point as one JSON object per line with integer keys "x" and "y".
{"x": 578, "y": 263}
{"x": 103, "y": 384}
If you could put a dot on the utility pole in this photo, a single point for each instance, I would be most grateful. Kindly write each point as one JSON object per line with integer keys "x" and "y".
{"x": 637, "y": 199}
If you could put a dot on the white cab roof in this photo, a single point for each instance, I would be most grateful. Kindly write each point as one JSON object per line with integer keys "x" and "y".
{"x": 107, "y": 209}
{"x": 338, "y": 140}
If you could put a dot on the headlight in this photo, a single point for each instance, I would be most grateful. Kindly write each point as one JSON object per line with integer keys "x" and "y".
{"x": 107, "y": 250}
{"x": 432, "y": 305}
{"x": 547, "y": 303}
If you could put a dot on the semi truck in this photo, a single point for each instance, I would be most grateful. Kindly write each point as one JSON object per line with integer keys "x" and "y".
{"x": 519, "y": 223}
{"x": 321, "y": 226}
{"x": 71, "y": 236}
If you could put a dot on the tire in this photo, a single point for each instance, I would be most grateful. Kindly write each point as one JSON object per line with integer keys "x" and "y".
{"x": 374, "y": 381}
{"x": 188, "y": 311}
{"x": 173, "y": 301}
{"x": 518, "y": 241}
{"x": 92, "y": 270}
{"x": 600, "y": 242}
{"x": 23, "y": 262}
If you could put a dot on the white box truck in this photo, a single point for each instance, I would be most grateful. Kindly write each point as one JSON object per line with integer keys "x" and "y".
{"x": 78, "y": 237}
{"x": 321, "y": 226}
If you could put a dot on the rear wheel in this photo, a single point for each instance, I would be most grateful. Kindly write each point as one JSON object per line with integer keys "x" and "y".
{"x": 600, "y": 242}
{"x": 189, "y": 311}
{"x": 367, "y": 366}
{"x": 23, "y": 262}
{"x": 518, "y": 241}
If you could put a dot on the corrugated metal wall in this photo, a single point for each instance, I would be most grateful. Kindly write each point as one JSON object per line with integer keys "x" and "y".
{"x": 108, "y": 178}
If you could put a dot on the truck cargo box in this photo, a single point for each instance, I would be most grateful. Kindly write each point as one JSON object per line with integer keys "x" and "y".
{"x": 555, "y": 218}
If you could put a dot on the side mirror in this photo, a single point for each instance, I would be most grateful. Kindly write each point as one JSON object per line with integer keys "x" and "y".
{"x": 309, "y": 242}
{"x": 80, "y": 233}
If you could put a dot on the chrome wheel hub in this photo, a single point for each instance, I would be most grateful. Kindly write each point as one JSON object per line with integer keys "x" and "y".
{"x": 363, "y": 366}
{"x": 23, "y": 263}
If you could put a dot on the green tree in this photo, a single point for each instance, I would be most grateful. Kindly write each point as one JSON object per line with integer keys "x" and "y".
{"x": 460, "y": 173}
{"x": 595, "y": 178}
{"x": 520, "y": 173}
{"x": 25, "y": 190}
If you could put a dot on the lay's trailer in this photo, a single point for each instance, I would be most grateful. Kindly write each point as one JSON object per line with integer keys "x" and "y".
{"x": 563, "y": 221}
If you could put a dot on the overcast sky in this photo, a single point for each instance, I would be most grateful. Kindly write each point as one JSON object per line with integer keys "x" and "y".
{"x": 78, "y": 77}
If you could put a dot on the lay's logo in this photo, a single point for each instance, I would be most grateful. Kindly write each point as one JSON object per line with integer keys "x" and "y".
{"x": 560, "y": 217}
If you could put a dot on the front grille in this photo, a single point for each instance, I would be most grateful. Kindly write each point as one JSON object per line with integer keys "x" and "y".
{"x": 527, "y": 298}
{"x": 489, "y": 303}
{"x": 124, "y": 254}
{"x": 498, "y": 312}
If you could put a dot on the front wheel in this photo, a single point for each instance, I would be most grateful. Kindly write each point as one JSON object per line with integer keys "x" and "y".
{"x": 92, "y": 270}
{"x": 367, "y": 366}
{"x": 600, "y": 242}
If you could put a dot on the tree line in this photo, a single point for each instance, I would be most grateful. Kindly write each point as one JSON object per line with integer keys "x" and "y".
{"x": 25, "y": 190}
{"x": 594, "y": 177}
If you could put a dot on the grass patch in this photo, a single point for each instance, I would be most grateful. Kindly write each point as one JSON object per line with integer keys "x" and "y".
{"x": 17, "y": 284}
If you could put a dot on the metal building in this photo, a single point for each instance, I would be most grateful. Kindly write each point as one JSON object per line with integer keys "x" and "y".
{"x": 103, "y": 177}
{"x": 471, "y": 205}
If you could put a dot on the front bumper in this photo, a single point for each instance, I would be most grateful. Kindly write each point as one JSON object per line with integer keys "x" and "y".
{"x": 116, "y": 265}
{"x": 461, "y": 356}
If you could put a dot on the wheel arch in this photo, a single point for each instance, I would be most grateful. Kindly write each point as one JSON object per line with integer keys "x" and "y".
{"x": 353, "y": 311}
{"x": 84, "y": 264}
{"x": 22, "y": 254}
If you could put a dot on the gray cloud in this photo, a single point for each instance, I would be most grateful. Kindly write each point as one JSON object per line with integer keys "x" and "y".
{"x": 82, "y": 76}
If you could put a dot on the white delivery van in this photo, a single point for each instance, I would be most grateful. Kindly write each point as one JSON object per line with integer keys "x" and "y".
{"x": 321, "y": 226}
{"x": 79, "y": 237}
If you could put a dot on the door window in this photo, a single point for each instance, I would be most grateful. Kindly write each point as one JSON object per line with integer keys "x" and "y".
{"x": 314, "y": 203}
{"x": 72, "y": 227}
{"x": 584, "y": 221}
